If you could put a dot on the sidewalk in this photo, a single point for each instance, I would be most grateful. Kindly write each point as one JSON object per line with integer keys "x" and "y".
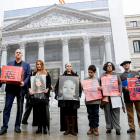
{"x": 28, "y": 132}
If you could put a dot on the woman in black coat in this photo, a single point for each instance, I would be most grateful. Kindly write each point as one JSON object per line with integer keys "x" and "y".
{"x": 68, "y": 108}
{"x": 41, "y": 109}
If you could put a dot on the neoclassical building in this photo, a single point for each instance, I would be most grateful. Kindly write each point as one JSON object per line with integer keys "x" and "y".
{"x": 81, "y": 33}
{"x": 133, "y": 32}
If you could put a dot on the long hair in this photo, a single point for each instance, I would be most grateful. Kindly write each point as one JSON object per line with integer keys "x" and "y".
{"x": 106, "y": 64}
{"x": 43, "y": 71}
{"x": 66, "y": 66}
{"x": 42, "y": 87}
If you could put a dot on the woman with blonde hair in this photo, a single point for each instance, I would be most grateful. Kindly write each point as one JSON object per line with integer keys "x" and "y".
{"x": 68, "y": 108}
{"x": 41, "y": 109}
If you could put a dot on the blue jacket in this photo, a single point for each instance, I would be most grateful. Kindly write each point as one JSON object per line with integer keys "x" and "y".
{"x": 27, "y": 73}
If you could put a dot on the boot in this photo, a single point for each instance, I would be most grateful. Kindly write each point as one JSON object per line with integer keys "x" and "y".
{"x": 67, "y": 121}
{"x": 96, "y": 133}
{"x": 73, "y": 126}
{"x": 39, "y": 130}
{"x": 90, "y": 131}
{"x": 44, "y": 130}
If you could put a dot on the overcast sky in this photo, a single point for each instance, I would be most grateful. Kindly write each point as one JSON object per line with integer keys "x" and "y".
{"x": 130, "y": 6}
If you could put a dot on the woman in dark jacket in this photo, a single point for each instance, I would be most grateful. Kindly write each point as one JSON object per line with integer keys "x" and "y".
{"x": 41, "y": 109}
{"x": 68, "y": 108}
{"x": 112, "y": 115}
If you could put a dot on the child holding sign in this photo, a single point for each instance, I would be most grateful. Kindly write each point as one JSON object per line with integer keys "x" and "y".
{"x": 93, "y": 106}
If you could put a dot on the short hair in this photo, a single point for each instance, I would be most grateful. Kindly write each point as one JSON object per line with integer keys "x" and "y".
{"x": 92, "y": 67}
{"x": 106, "y": 64}
{"x": 18, "y": 49}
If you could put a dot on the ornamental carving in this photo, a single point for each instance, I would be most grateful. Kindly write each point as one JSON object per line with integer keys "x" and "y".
{"x": 40, "y": 43}
{"x": 55, "y": 20}
{"x": 107, "y": 38}
{"x": 65, "y": 41}
{"x": 4, "y": 47}
{"x": 22, "y": 45}
{"x": 86, "y": 39}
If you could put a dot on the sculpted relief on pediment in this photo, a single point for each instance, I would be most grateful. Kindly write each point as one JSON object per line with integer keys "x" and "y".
{"x": 55, "y": 20}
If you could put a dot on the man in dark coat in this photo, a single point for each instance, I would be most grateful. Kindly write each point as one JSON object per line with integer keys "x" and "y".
{"x": 128, "y": 103}
{"x": 13, "y": 91}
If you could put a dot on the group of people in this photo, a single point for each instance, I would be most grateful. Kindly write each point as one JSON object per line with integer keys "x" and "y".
{"x": 68, "y": 108}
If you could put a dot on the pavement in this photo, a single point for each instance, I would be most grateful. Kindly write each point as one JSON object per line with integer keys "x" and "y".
{"x": 28, "y": 131}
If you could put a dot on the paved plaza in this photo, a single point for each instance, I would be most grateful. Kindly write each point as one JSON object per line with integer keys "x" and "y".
{"x": 28, "y": 132}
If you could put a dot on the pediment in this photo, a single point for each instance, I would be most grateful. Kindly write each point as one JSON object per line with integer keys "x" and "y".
{"x": 55, "y": 16}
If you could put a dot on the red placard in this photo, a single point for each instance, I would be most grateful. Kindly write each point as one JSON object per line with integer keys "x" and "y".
{"x": 134, "y": 88}
{"x": 110, "y": 85}
{"x": 91, "y": 91}
{"x": 12, "y": 74}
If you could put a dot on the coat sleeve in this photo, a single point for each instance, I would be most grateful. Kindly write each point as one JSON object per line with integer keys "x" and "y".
{"x": 27, "y": 75}
{"x": 80, "y": 89}
{"x": 56, "y": 88}
{"x": 119, "y": 84}
{"x": 48, "y": 80}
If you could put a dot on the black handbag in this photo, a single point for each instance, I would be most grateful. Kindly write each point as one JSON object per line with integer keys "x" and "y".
{"x": 38, "y": 97}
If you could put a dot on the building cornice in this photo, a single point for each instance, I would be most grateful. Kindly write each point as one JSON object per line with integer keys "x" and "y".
{"x": 55, "y": 28}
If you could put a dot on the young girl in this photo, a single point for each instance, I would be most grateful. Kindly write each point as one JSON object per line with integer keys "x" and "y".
{"x": 68, "y": 89}
{"x": 38, "y": 84}
{"x": 68, "y": 108}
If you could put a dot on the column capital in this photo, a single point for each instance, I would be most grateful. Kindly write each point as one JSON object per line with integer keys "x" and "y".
{"x": 65, "y": 41}
{"x": 4, "y": 47}
{"x": 86, "y": 39}
{"x": 101, "y": 42}
{"x": 107, "y": 38}
{"x": 40, "y": 43}
{"x": 22, "y": 45}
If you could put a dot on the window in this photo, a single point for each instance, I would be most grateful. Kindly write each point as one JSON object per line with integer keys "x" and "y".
{"x": 133, "y": 23}
{"x": 136, "y": 46}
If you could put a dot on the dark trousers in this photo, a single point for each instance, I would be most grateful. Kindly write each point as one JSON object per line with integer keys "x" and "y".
{"x": 7, "y": 109}
{"x": 93, "y": 115}
{"x": 28, "y": 109}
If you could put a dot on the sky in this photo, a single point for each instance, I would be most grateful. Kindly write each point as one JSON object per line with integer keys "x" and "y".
{"x": 130, "y": 7}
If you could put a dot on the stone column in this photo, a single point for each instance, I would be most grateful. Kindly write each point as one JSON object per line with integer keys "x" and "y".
{"x": 65, "y": 52}
{"x": 22, "y": 47}
{"x": 4, "y": 55}
{"x": 108, "y": 52}
{"x": 87, "y": 56}
{"x": 41, "y": 50}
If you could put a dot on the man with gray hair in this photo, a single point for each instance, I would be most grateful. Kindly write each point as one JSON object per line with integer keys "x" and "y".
{"x": 13, "y": 91}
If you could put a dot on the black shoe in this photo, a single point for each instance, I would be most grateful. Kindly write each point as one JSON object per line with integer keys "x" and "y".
{"x": 39, "y": 130}
{"x": 24, "y": 122}
{"x": 130, "y": 130}
{"x": 17, "y": 129}
{"x": 45, "y": 131}
{"x": 108, "y": 131}
{"x": 3, "y": 131}
{"x": 118, "y": 132}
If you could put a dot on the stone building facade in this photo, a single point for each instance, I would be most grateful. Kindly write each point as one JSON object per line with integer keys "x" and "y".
{"x": 133, "y": 32}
